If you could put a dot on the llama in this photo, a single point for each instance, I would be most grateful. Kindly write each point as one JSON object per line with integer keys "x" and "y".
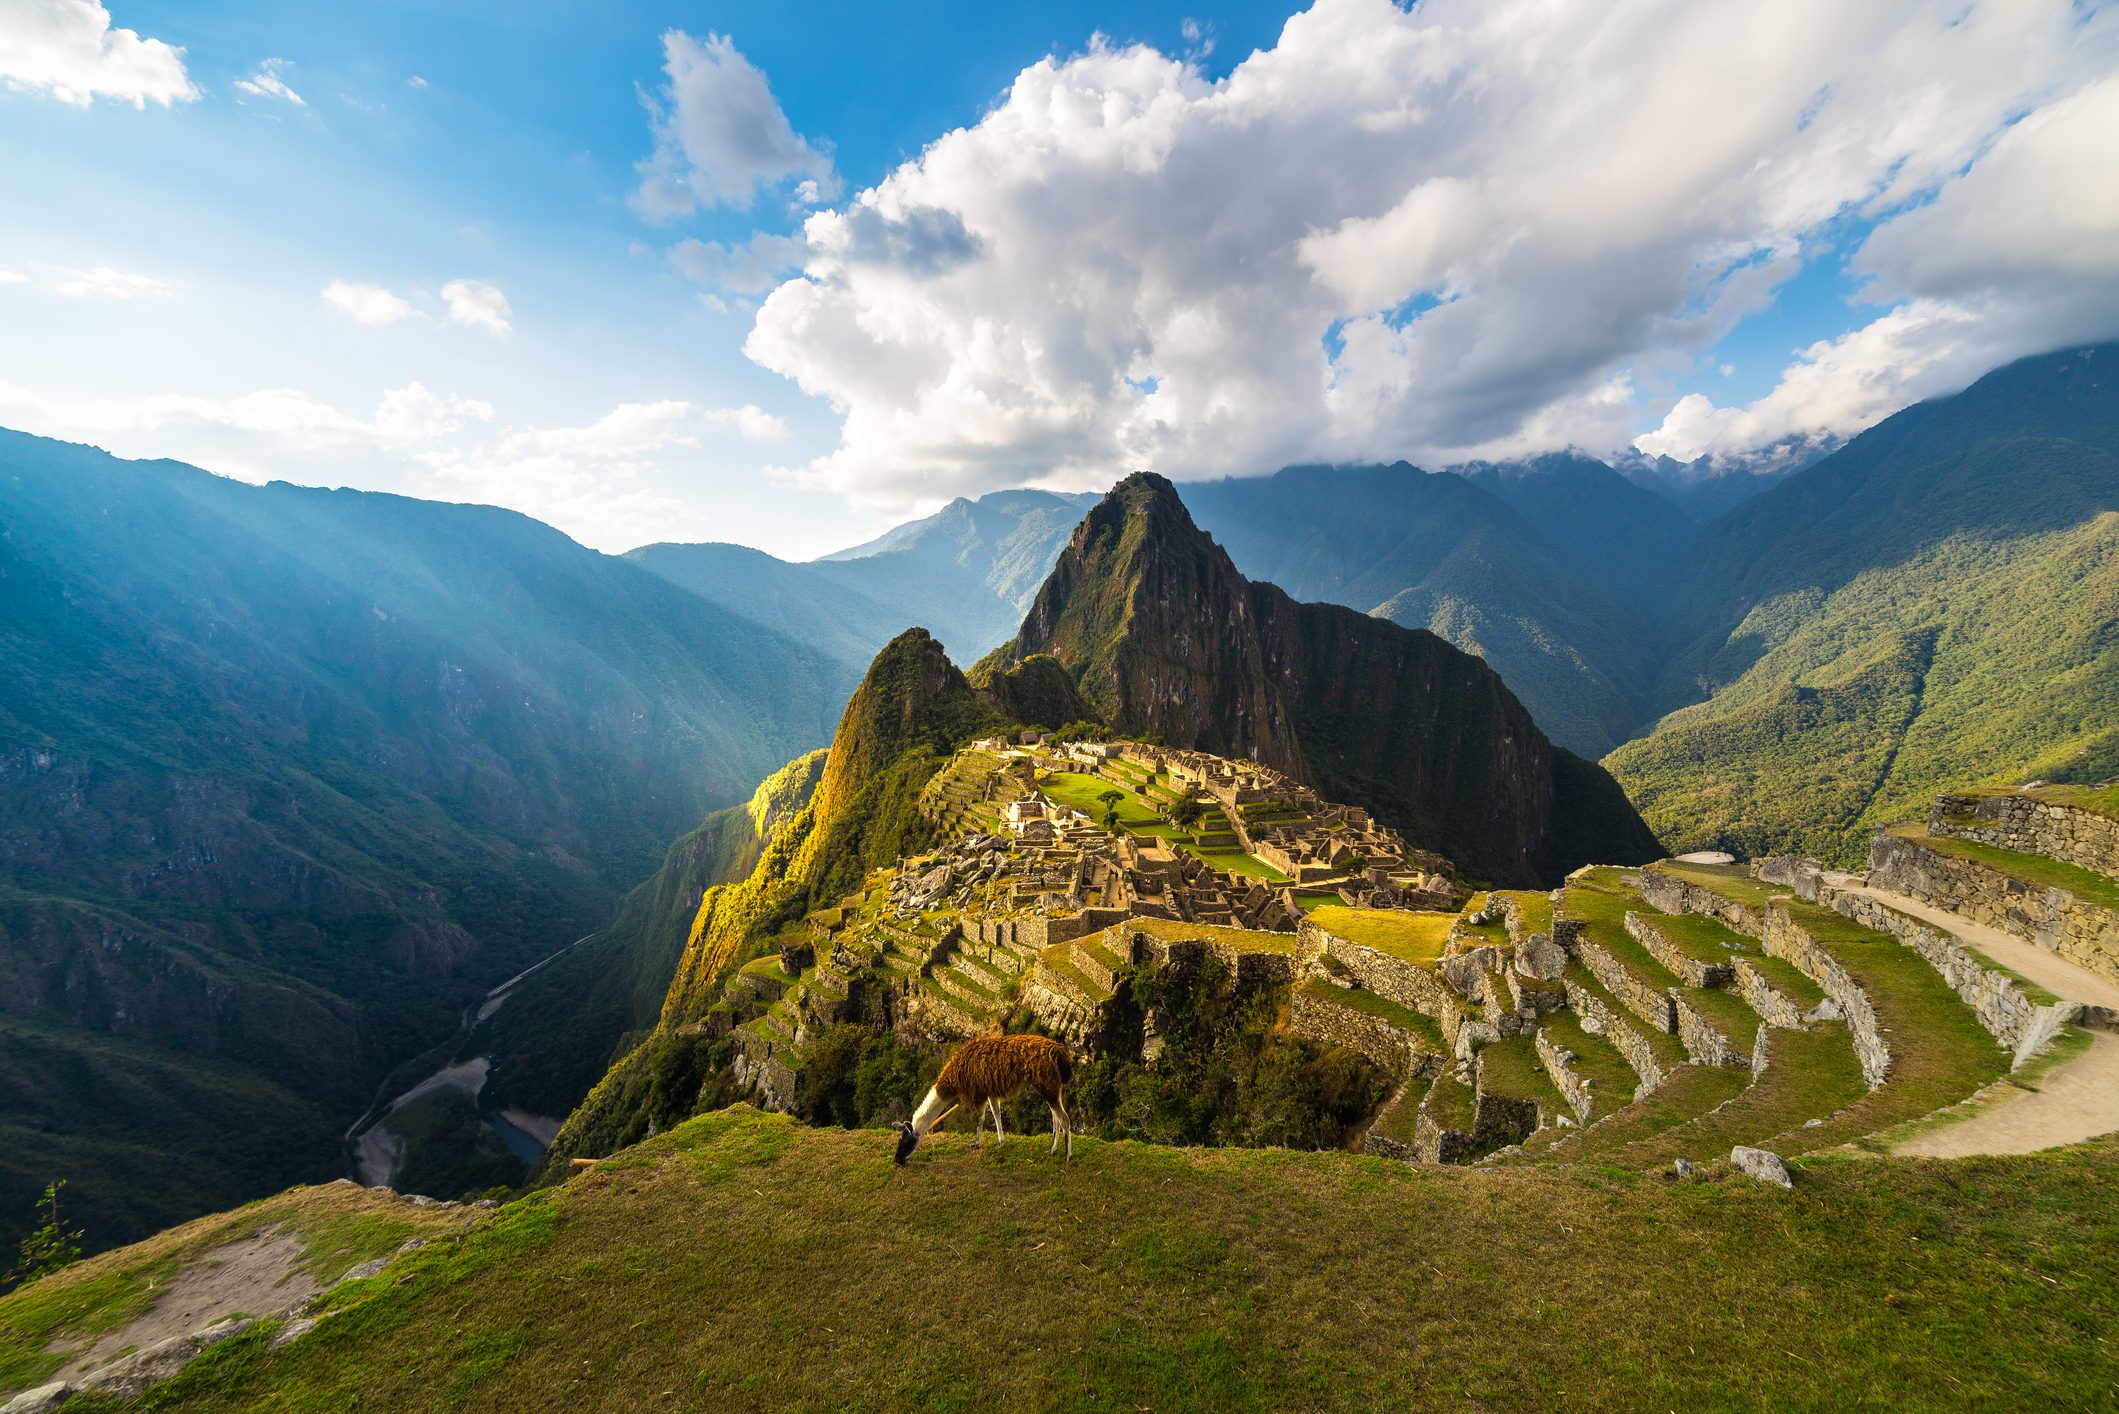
{"x": 987, "y": 1070}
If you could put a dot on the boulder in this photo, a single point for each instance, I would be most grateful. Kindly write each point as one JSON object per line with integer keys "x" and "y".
{"x": 40, "y": 1400}
{"x": 1540, "y": 958}
{"x": 1762, "y": 1164}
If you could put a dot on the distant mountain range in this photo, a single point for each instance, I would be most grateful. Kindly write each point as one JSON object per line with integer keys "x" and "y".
{"x": 289, "y": 776}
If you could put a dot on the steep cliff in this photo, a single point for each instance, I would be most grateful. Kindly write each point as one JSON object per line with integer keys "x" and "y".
{"x": 1168, "y": 640}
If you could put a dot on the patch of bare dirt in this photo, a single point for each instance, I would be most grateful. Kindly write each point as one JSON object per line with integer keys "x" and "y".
{"x": 252, "y": 1276}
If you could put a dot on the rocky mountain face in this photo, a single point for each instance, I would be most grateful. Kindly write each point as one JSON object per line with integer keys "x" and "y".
{"x": 1167, "y": 640}
{"x": 288, "y": 776}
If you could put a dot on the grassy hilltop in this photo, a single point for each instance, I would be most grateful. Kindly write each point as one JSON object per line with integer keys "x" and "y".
{"x": 743, "y": 1260}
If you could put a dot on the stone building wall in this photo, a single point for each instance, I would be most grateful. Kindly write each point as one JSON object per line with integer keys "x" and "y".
{"x": 2054, "y": 919}
{"x": 2031, "y": 826}
{"x": 1571, "y": 1084}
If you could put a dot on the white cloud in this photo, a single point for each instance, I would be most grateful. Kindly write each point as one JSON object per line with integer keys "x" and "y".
{"x": 99, "y": 282}
{"x": 754, "y": 422}
{"x": 749, "y": 268}
{"x": 720, "y": 135}
{"x": 283, "y": 418}
{"x": 2018, "y": 255}
{"x": 416, "y": 83}
{"x": 267, "y": 83}
{"x": 477, "y": 305}
{"x": 68, "y": 49}
{"x": 1412, "y": 232}
{"x": 367, "y": 304}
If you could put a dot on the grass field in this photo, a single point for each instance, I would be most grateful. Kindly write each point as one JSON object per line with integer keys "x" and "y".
{"x": 1409, "y": 937}
{"x": 742, "y": 1261}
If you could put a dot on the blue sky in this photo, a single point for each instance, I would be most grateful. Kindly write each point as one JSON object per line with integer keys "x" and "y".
{"x": 1134, "y": 261}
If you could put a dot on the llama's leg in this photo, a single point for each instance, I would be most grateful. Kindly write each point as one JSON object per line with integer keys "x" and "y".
{"x": 1067, "y": 1119}
{"x": 1000, "y": 1135}
{"x": 1055, "y": 1129}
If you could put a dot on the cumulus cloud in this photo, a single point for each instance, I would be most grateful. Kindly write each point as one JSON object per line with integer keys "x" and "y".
{"x": 478, "y": 305}
{"x": 68, "y": 49}
{"x": 268, "y": 83}
{"x": 2017, "y": 255}
{"x": 720, "y": 135}
{"x": 1463, "y": 227}
{"x": 367, "y": 304}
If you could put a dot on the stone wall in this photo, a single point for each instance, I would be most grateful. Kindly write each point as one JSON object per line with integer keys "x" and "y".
{"x": 1799, "y": 876}
{"x": 1651, "y": 1004}
{"x": 1704, "y": 1040}
{"x": 1322, "y": 1019}
{"x": 1688, "y": 969}
{"x": 2054, "y": 919}
{"x": 1406, "y": 983}
{"x": 1786, "y": 938}
{"x": 1671, "y": 894}
{"x": 1573, "y": 1087}
{"x": 2001, "y": 1003}
{"x": 2030, "y": 826}
{"x": 1600, "y": 1020}
{"x": 1775, "y": 1007}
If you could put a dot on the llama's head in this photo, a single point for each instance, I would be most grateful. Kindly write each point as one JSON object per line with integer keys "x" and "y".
{"x": 907, "y": 1137}
{"x": 927, "y": 1116}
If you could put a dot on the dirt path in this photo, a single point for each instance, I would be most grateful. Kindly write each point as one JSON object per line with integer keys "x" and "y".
{"x": 2049, "y": 970}
{"x": 2077, "y": 1099}
{"x": 256, "y": 1276}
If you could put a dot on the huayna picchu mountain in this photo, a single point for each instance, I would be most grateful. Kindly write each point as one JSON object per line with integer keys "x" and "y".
{"x": 1167, "y": 640}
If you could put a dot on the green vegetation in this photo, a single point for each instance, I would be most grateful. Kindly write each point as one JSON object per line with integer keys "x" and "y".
{"x": 1923, "y": 611}
{"x": 340, "y": 1226}
{"x": 319, "y": 768}
{"x": 2033, "y": 869}
{"x": 1214, "y": 1279}
{"x": 1409, "y": 937}
{"x": 50, "y": 1246}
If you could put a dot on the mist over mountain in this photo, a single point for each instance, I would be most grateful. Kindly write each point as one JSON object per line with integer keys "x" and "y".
{"x": 287, "y": 776}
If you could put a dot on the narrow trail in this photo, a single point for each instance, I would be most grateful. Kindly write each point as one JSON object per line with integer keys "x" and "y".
{"x": 2075, "y": 1099}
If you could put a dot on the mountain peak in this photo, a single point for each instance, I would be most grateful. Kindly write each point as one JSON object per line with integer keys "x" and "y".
{"x": 1168, "y": 642}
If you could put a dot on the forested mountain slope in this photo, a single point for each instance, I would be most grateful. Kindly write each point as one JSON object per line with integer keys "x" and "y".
{"x": 1936, "y": 604}
{"x": 287, "y": 776}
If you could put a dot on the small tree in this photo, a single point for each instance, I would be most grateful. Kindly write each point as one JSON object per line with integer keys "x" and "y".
{"x": 1185, "y": 813}
{"x": 1111, "y": 798}
{"x": 49, "y": 1246}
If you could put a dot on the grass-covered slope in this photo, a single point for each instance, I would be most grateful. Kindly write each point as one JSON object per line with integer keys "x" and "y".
{"x": 288, "y": 776}
{"x": 745, "y": 1261}
{"x": 1930, "y": 607}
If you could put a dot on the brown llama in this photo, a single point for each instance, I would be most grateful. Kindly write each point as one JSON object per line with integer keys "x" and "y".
{"x": 987, "y": 1070}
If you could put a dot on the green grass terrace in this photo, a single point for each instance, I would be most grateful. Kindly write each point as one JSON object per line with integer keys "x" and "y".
{"x": 1408, "y": 936}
